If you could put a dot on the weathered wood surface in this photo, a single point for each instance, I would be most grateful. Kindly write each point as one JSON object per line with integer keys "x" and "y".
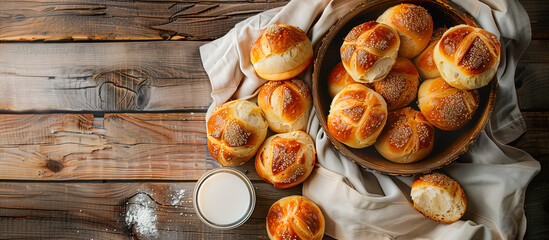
{"x": 124, "y": 20}
{"x": 152, "y": 20}
{"x": 98, "y": 211}
{"x": 136, "y": 76}
{"x": 168, "y": 146}
{"x": 155, "y": 76}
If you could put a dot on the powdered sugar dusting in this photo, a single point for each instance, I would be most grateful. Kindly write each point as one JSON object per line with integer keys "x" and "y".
{"x": 177, "y": 195}
{"x": 141, "y": 215}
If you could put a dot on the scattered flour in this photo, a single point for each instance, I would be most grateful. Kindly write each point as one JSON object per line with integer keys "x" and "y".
{"x": 141, "y": 215}
{"x": 177, "y": 195}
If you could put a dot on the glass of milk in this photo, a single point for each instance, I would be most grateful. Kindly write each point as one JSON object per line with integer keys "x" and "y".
{"x": 224, "y": 198}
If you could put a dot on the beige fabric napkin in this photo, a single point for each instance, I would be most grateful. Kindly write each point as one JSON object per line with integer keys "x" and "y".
{"x": 360, "y": 204}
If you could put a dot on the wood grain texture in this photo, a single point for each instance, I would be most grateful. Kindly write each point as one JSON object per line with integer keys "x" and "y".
{"x": 124, "y": 20}
{"x": 113, "y": 76}
{"x": 155, "y": 76}
{"x": 539, "y": 20}
{"x": 99, "y": 210}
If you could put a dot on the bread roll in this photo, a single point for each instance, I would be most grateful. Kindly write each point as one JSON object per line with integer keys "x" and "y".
{"x": 424, "y": 61}
{"x": 369, "y": 51}
{"x": 407, "y": 137}
{"x": 414, "y": 25}
{"x": 439, "y": 197}
{"x": 295, "y": 217}
{"x": 467, "y": 57}
{"x": 281, "y": 52}
{"x": 236, "y": 130}
{"x": 339, "y": 79}
{"x": 286, "y": 104}
{"x": 400, "y": 86}
{"x": 286, "y": 159}
{"x": 357, "y": 116}
{"x": 446, "y": 107}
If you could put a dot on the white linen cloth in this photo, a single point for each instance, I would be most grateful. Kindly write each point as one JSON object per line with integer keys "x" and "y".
{"x": 360, "y": 204}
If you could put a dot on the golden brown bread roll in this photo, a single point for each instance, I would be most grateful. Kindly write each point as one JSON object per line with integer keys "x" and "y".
{"x": 467, "y": 57}
{"x": 407, "y": 137}
{"x": 414, "y": 25}
{"x": 446, "y": 107}
{"x": 439, "y": 198}
{"x": 286, "y": 104}
{"x": 339, "y": 79}
{"x": 286, "y": 159}
{"x": 236, "y": 130}
{"x": 357, "y": 116}
{"x": 295, "y": 217}
{"x": 281, "y": 52}
{"x": 424, "y": 61}
{"x": 400, "y": 86}
{"x": 369, "y": 51}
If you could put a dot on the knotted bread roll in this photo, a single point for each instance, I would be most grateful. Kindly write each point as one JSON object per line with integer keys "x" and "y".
{"x": 286, "y": 104}
{"x": 407, "y": 137}
{"x": 467, "y": 57}
{"x": 295, "y": 217}
{"x": 439, "y": 198}
{"x": 400, "y": 86}
{"x": 339, "y": 79}
{"x": 369, "y": 51}
{"x": 286, "y": 159}
{"x": 281, "y": 52}
{"x": 424, "y": 62}
{"x": 446, "y": 107}
{"x": 414, "y": 25}
{"x": 357, "y": 116}
{"x": 236, "y": 130}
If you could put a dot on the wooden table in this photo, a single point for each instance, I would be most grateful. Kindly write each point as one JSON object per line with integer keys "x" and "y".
{"x": 103, "y": 103}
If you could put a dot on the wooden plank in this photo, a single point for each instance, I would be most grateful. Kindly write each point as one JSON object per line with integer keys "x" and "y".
{"x": 99, "y": 210}
{"x": 532, "y": 87}
{"x": 124, "y": 20}
{"x": 114, "y": 76}
{"x": 539, "y": 20}
{"x": 155, "y": 76}
{"x": 119, "y": 146}
{"x": 536, "y": 140}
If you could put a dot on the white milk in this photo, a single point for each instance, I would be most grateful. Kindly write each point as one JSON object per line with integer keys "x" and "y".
{"x": 223, "y": 198}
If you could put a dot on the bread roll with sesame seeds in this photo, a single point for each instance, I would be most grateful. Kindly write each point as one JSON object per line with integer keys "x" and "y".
{"x": 414, "y": 25}
{"x": 235, "y": 131}
{"x": 286, "y": 104}
{"x": 286, "y": 159}
{"x": 400, "y": 86}
{"x": 424, "y": 62}
{"x": 407, "y": 137}
{"x": 369, "y": 51}
{"x": 295, "y": 217}
{"x": 467, "y": 57}
{"x": 339, "y": 78}
{"x": 281, "y": 52}
{"x": 357, "y": 116}
{"x": 446, "y": 107}
{"x": 439, "y": 197}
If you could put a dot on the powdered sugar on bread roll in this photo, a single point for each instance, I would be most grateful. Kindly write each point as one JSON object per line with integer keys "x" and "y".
{"x": 439, "y": 198}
